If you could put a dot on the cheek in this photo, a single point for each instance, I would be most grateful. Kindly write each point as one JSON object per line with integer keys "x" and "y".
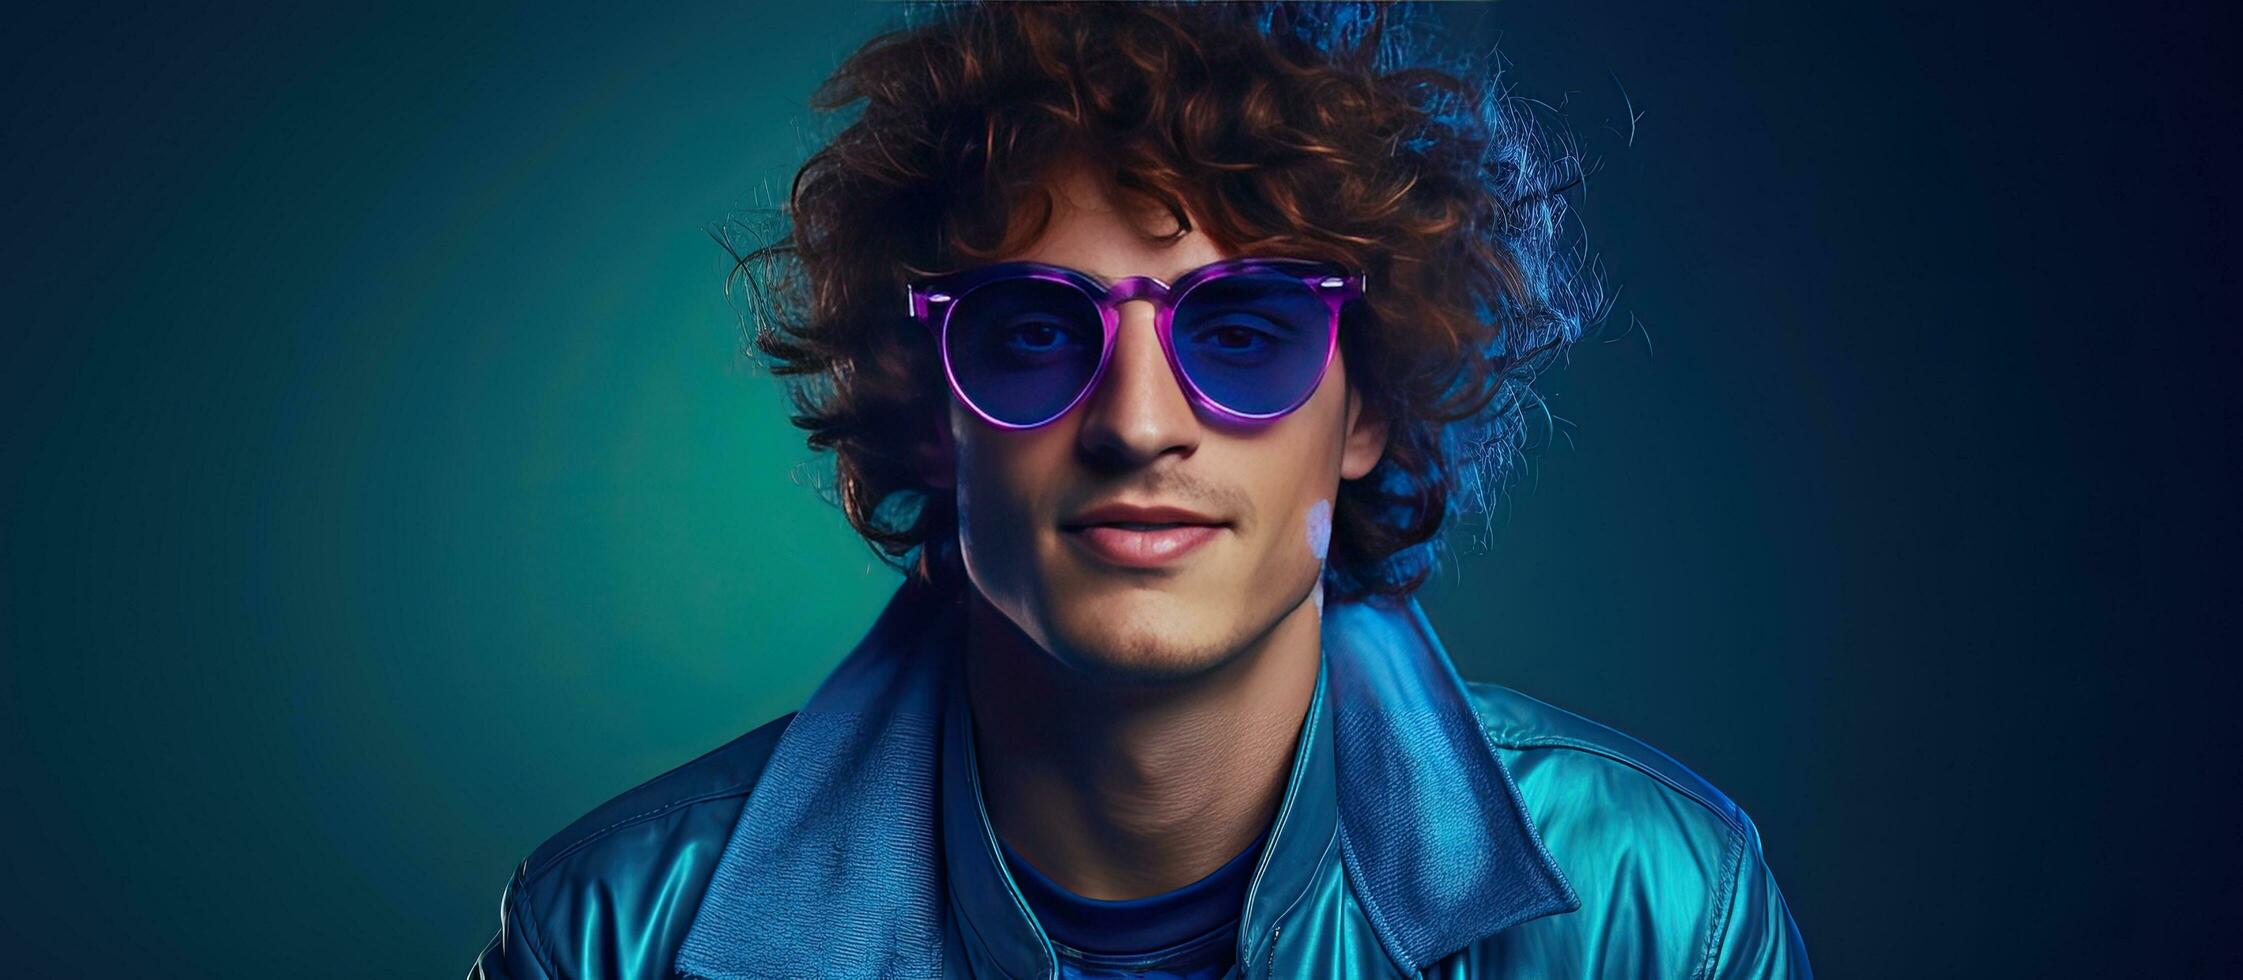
{"x": 985, "y": 501}
{"x": 1004, "y": 482}
{"x": 1319, "y": 528}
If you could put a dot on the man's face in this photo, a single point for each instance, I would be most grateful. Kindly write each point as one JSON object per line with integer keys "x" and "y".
{"x": 1136, "y": 440}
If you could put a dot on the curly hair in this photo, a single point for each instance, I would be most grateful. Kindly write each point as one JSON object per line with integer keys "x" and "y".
{"x": 1312, "y": 130}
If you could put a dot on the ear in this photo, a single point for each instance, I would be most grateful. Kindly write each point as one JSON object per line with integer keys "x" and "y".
{"x": 1366, "y": 437}
{"x": 937, "y": 456}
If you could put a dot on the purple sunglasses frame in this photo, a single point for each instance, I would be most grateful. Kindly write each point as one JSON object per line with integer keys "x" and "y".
{"x": 932, "y": 300}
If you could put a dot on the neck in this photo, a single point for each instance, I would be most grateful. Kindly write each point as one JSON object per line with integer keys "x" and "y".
{"x": 1119, "y": 791}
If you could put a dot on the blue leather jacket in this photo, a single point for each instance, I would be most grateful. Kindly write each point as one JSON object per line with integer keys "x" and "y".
{"x": 1429, "y": 827}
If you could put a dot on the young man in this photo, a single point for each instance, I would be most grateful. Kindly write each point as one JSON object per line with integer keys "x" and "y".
{"x": 1156, "y": 343}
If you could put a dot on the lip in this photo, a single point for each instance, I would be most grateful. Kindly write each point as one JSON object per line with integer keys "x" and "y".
{"x": 1100, "y": 531}
{"x": 1131, "y": 548}
{"x": 1118, "y": 513}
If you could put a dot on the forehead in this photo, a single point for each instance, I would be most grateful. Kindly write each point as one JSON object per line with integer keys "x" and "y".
{"x": 1112, "y": 236}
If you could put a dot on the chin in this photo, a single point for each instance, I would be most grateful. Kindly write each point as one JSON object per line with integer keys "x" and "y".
{"x": 1146, "y": 633}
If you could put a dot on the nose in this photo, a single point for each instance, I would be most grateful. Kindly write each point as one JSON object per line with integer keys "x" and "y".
{"x": 1139, "y": 411}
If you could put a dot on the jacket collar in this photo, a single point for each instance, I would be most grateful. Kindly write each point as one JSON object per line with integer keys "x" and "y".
{"x": 841, "y": 849}
{"x": 1439, "y": 849}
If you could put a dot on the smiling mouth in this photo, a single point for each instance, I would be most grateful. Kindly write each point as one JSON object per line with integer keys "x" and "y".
{"x": 1141, "y": 544}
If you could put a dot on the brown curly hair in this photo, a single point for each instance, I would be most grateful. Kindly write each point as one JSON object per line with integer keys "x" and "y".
{"x": 1309, "y": 130}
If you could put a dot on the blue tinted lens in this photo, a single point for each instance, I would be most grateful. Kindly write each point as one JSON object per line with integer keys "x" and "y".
{"x": 1256, "y": 342}
{"x": 1022, "y": 349}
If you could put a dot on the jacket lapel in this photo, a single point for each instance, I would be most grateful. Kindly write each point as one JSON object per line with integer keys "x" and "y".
{"x": 832, "y": 864}
{"x": 1437, "y": 846}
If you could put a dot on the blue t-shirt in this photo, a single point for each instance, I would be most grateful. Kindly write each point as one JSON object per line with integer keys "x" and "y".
{"x": 1187, "y": 934}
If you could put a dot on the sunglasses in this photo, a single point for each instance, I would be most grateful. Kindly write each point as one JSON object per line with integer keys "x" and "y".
{"x": 1024, "y": 342}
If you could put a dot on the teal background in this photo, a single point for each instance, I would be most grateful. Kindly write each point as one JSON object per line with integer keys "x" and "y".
{"x": 383, "y": 486}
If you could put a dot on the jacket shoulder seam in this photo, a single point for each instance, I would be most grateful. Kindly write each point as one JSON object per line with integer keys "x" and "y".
{"x": 534, "y": 935}
{"x": 1720, "y": 899}
{"x": 1724, "y": 902}
{"x": 1728, "y": 818}
{"x": 739, "y": 783}
{"x": 587, "y": 840}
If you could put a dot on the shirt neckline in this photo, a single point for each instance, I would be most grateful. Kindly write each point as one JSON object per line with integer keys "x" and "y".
{"x": 1137, "y": 926}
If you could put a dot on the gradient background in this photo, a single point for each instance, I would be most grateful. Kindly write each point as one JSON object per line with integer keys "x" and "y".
{"x": 383, "y": 486}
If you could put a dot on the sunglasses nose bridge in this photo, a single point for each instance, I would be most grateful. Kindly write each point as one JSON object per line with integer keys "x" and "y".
{"x": 1136, "y": 299}
{"x": 1136, "y": 288}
